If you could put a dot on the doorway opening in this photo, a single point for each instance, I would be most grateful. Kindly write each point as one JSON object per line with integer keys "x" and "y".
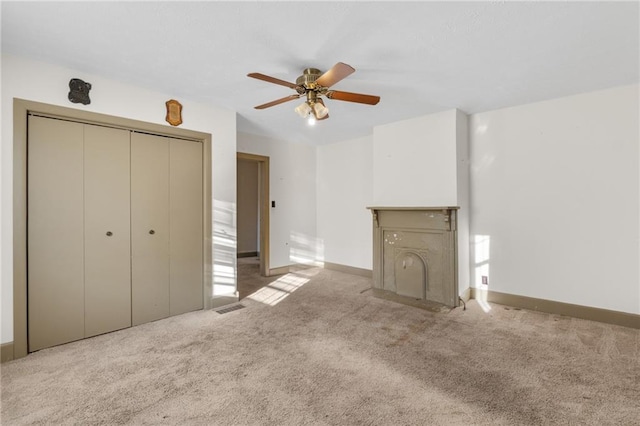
{"x": 253, "y": 218}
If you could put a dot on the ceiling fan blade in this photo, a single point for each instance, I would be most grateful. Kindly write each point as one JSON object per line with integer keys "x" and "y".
{"x": 318, "y": 100}
{"x": 277, "y": 101}
{"x": 272, "y": 80}
{"x": 353, "y": 97}
{"x": 335, "y": 74}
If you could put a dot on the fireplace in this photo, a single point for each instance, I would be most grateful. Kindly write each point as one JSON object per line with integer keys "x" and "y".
{"x": 415, "y": 254}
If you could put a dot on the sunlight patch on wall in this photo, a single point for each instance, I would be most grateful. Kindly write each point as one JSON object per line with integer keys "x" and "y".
{"x": 306, "y": 250}
{"x": 224, "y": 248}
{"x": 481, "y": 259}
{"x": 481, "y": 245}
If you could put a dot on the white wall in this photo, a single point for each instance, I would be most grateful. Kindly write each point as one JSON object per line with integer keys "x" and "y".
{"x": 46, "y": 83}
{"x": 292, "y": 185}
{"x": 555, "y": 199}
{"x": 425, "y": 162}
{"x": 414, "y": 162}
{"x": 345, "y": 190}
{"x": 419, "y": 162}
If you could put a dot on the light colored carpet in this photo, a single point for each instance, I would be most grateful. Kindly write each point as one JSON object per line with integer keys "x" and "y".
{"x": 329, "y": 353}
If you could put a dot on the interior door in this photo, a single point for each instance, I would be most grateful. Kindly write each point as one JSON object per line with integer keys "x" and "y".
{"x": 185, "y": 187}
{"x": 107, "y": 277}
{"x": 115, "y": 229}
{"x": 149, "y": 227}
{"x": 55, "y": 232}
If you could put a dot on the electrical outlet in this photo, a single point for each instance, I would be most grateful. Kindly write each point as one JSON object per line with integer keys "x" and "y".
{"x": 485, "y": 280}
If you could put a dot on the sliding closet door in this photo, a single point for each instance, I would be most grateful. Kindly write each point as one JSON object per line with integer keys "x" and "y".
{"x": 185, "y": 226}
{"x": 149, "y": 227}
{"x": 115, "y": 229}
{"x": 107, "y": 230}
{"x": 55, "y": 232}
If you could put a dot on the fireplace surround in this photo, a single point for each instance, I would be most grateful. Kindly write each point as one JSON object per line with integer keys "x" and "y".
{"x": 415, "y": 254}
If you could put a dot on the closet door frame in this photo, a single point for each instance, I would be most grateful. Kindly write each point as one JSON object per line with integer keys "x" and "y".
{"x": 21, "y": 110}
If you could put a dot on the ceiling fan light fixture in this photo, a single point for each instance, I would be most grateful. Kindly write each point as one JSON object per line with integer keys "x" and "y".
{"x": 303, "y": 110}
{"x": 313, "y": 84}
{"x": 320, "y": 110}
{"x": 311, "y": 120}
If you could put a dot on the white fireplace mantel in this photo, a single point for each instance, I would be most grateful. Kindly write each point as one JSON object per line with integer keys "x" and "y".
{"x": 415, "y": 252}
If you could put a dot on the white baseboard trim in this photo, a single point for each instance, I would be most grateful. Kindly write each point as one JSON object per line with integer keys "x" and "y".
{"x": 466, "y": 295}
{"x": 559, "y": 308}
{"x": 246, "y": 254}
{"x": 290, "y": 268}
{"x": 280, "y": 271}
{"x": 6, "y": 352}
{"x": 217, "y": 301}
{"x": 367, "y": 273}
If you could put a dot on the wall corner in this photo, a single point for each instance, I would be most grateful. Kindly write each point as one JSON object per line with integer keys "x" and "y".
{"x": 463, "y": 197}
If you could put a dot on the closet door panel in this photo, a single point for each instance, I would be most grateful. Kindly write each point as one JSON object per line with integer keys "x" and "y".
{"x": 186, "y": 226}
{"x": 149, "y": 227}
{"x": 55, "y": 232}
{"x": 107, "y": 230}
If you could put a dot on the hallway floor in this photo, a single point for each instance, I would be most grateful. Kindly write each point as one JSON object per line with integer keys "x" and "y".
{"x": 249, "y": 278}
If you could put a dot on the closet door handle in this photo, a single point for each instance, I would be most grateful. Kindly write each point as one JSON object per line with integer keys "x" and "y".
{"x": 109, "y": 233}
{"x": 152, "y": 232}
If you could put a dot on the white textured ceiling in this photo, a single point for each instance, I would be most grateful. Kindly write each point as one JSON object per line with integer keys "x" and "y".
{"x": 419, "y": 57}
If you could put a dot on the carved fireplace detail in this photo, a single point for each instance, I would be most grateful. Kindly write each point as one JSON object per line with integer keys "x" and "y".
{"x": 414, "y": 253}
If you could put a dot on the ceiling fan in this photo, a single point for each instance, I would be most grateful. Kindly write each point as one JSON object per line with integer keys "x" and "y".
{"x": 313, "y": 84}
